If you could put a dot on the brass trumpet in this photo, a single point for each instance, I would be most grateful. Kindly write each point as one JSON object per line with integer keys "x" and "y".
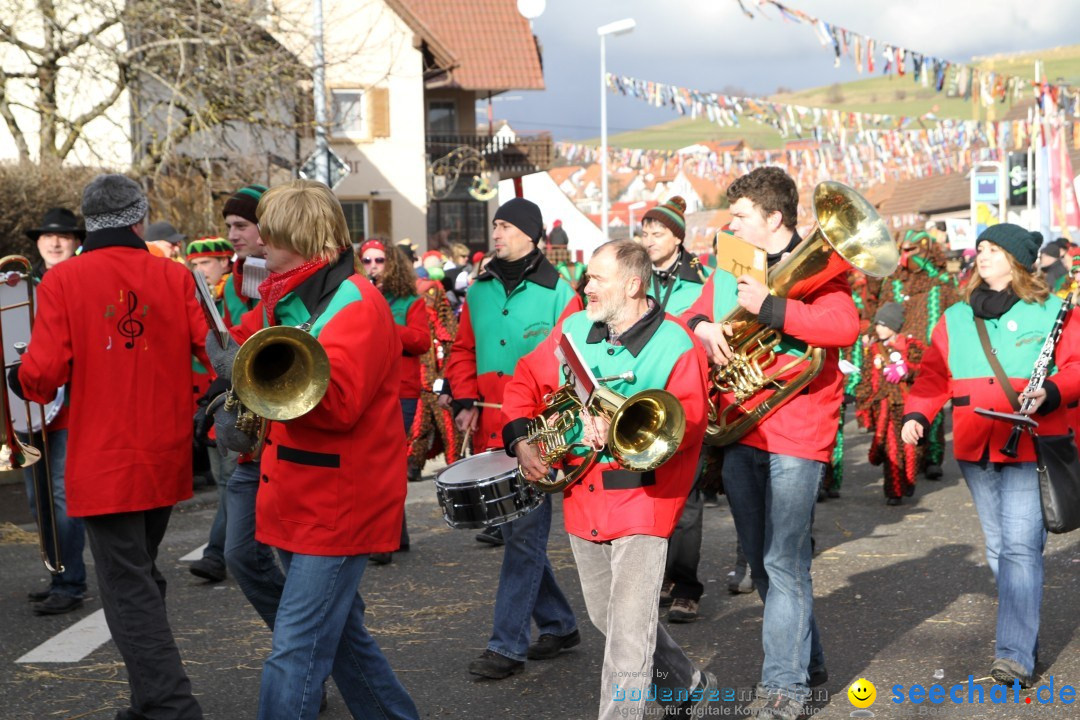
{"x": 848, "y": 234}
{"x": 644, "y": 429}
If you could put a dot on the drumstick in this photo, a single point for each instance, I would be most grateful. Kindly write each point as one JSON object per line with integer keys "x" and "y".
{"x": 465, "y": 442}
{"x": 493, "y": 406}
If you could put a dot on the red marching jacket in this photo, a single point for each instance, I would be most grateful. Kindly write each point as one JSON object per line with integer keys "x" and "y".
{"x": 415, "y": 336}
{"x": 805, "y": 426}
{"x": 119, "y": 325}
{"x": 610, "y": 502}
{"x": 333, "y": 480}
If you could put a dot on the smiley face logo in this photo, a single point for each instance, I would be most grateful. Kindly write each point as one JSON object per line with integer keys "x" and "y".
{"x": 862, "y": 693}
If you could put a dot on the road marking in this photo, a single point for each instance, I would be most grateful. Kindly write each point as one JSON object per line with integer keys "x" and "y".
{"x": 73, "y": 644}
{"x": 194, "y": 554}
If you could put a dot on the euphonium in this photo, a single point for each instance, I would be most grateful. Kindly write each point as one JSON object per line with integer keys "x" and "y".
{"x": 644, "y": 432}
{"x": 848, "y": 234}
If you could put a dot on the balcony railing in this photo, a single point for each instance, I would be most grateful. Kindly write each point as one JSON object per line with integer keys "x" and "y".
{"x": 511, "y": 158}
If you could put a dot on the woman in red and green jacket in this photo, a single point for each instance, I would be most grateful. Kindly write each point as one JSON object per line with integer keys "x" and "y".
{"x": 1018, "y": 312}
{"x": 394, "y": 276}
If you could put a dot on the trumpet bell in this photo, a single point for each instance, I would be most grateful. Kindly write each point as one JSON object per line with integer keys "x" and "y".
{"x": 281, "y": 373}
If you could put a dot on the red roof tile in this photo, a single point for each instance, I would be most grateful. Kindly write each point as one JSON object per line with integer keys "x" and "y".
{"x": 491, "y": 41}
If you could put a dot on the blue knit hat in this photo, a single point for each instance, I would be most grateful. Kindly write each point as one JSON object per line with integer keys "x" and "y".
{"x": 1020, "y": 243}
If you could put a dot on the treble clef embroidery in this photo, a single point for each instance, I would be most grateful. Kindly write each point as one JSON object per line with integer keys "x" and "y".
{"x": 129, "y": 326}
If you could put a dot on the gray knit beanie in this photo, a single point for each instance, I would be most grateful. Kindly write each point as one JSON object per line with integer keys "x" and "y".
{"x": 891, "y": 315}
{"x": 113, "y": 201}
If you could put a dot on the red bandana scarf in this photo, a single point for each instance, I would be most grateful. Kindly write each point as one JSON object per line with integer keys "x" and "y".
{"x": 277, "y": 285}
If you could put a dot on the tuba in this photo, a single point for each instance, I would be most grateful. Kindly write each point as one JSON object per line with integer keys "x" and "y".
{"x": 848, "y": 233}
{"x": 644, "y": 432}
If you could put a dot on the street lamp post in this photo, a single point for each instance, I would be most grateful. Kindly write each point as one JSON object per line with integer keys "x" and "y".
{"x": 630, "y": 209}
{"x": 619, "y": 27}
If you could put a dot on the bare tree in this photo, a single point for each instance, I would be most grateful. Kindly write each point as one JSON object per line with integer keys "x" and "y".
{"x": 168, "y": 69}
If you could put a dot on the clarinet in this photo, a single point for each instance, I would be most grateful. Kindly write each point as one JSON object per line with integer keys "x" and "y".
{"x": 1042, "y": 367}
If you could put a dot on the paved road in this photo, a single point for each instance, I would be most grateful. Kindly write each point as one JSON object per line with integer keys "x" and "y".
{"x": 902, "y": 595}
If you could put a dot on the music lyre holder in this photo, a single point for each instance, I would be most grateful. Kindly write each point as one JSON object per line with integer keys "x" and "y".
{"x": 1019, "y": 423}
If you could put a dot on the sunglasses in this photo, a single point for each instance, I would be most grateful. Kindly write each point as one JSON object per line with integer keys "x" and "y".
{"x": 377, "y": 261}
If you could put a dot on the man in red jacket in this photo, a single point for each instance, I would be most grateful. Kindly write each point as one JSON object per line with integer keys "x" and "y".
{"x": 116, "y": 311}
{"x": 620, "y": 520}
{"x": 771, "y": 475}
{"x": 333, "y": 480}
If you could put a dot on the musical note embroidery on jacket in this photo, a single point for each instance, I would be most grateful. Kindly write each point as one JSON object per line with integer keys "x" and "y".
{"x": 129, "y": 325}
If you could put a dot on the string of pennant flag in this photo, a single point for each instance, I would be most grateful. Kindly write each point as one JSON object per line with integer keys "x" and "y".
{"x": 986, "y": 87}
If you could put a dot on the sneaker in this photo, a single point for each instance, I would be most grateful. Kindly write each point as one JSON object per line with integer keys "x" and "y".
{"x": 933, "y": 472}
{"x": 494, "y": 666}
{"x": 490, "y": 535}
{"x": 894, "y": 501}
{"x": 740, "y": 581}
{"x": 695, "y": 707}
{"x": 381, "y": 558}
{"x": 1006, "y": 671}
{"x": 780, "y": 707}
{"x": 208, "y": 569}
{"x": 548, "y": 646}
{"x": 413, "y": 474}
{"x": 665, "y": 594}
{"x": 833, "y": 493}
{"x": 57, "y": 604}
{"x": 712, "y": 500}
{"x": 683, "y": 610}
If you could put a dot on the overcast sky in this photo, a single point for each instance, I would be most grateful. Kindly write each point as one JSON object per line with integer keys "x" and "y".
{"x": 710, "y": 45}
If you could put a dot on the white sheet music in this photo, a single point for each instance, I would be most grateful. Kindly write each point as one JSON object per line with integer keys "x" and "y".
{"x": 584, "y": 380}
{"x": 254, "y": 273}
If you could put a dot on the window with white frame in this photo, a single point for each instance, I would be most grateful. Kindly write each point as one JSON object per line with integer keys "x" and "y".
{"x": 347, "y": 112}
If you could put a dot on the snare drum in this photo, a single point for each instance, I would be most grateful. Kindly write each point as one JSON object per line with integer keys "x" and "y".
{"x": 484, "y": 490}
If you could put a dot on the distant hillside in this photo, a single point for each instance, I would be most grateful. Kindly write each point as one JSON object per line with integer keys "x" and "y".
{"x": 887, "y": 94}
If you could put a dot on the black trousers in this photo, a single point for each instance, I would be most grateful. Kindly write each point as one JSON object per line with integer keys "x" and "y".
{"x": 684, "y": 546}
{"x": 125, "y": 547}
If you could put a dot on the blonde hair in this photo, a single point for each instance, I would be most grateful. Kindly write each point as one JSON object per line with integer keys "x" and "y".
{"x": 304, "y": 216}
{"x": 1026, "y": 285}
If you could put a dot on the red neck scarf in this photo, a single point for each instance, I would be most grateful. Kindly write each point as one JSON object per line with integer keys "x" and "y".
{"x": 277, "y": 285}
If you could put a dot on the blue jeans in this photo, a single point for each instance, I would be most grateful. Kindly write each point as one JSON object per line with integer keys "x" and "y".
{"x": 222, "y": 465}
{"x": 408, "y": 414}
{"x": 772, "y": 501}
{"x": 250, "y": 562}
{"x": 527, "y": 587}
{"x": 1006, "y": 497}
{"x": 320, "y": 630}
{"x": 71, "y": 531}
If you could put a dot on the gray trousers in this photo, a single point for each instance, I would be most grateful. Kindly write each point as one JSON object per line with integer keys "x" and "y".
{"x": 125, "y": 548}
{"x": 621, "y": 582}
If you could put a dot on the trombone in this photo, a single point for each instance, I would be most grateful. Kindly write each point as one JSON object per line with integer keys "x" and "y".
{"x": 15, "y": 455}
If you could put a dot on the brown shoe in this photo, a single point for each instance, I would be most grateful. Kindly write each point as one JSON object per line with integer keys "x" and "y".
{"x": 665, "y": 594}
{"x": 683, "y": 610}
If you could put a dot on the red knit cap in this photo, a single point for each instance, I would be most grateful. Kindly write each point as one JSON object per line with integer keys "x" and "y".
{"x": 671, "y": 215}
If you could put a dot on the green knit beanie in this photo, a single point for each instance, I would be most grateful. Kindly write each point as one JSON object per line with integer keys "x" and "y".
{"x": 671, "y": 215}
{"x": 1020, "y": 243}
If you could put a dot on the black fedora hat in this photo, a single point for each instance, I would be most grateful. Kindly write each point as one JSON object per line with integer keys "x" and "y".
{"x": 57, "y": 220}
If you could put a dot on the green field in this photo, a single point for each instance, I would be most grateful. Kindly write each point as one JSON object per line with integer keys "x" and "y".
{"x": 887, "y": 94}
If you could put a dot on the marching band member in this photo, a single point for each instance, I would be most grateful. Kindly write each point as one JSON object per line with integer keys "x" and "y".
{"x": 333, "y": 480}
{"x": 391, "y": 272}
{"x": 772, "y": 474}
{"x": 619, "y": 521}
{"x": 1018, "y": 311}
{"x": 212, "y": 257}
{"x": 57, "y": 239}
{"x": 508, "y": 311}
{"x": 116, "y": 311}
{"x": 243, "y": 232}
{"x": 677, "y": 281}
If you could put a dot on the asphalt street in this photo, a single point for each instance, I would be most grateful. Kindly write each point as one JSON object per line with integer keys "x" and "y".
{"x": 903, "y": 596}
